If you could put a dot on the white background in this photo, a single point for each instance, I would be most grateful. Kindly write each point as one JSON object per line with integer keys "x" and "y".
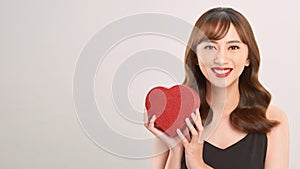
{"x": 40, "y": 42}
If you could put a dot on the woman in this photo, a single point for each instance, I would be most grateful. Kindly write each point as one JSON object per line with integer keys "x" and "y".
{"x": 221, "y": 62}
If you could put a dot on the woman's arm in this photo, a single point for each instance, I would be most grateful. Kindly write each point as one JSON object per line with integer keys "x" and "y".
{"x": 278, "y": 141}
{"x": 160, "y": 154}
{"x": 167, "y": 151}
{"x": 174, "y": 158}
{"x": 168, "y": 159}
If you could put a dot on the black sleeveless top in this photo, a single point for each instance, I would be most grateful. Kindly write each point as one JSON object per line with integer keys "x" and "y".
{"x": 248, "y": 153}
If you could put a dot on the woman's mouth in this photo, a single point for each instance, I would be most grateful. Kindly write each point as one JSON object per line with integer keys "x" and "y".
{"x": 221, "y": 72}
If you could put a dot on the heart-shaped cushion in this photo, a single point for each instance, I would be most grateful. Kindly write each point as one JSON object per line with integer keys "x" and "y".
{"x": 171, "y": 106}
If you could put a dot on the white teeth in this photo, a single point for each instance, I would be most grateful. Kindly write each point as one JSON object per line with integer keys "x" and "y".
{"x": 221, "y": 71}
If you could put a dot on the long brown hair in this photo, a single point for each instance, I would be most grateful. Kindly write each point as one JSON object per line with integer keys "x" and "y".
{"x": 250, "y": 114}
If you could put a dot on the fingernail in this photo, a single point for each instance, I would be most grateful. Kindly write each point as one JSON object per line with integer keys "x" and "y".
{"x": 178, "y": 132}
{"x": 193, "y": 116}
{"x": 186, "y": 119}
{"x": 188, "y": 122}
{"x": 153, "y": 118}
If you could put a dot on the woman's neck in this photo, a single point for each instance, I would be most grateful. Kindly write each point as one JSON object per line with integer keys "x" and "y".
{"x": 223, "y": 100}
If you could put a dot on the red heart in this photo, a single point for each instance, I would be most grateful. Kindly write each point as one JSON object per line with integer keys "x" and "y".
{"x": 171, "y": 106}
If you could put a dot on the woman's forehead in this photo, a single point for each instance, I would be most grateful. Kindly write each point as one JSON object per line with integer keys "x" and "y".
{"x": 229, "y": 36}
{"x": 215, "y": 28}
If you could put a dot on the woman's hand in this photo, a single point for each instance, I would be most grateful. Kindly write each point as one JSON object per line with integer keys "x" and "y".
{"x": 193, "y": 146}
{"x": 171, "y": 142}
{"x": 172, "y": 158}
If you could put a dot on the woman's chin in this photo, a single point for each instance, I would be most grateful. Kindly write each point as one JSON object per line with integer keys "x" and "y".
{"x": 222, "y": 84}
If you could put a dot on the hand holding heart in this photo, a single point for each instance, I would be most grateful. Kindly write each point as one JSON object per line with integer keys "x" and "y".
{"x": 193, "y": 145}
{"x": 171, "y": 107}
{"x": 174, "y": 107}
{"x": 170, "y": 142}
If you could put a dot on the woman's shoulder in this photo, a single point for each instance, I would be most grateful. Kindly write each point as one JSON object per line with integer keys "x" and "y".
{"x": 275, "y": 113}
{"x": 278, "y": 139}
{"x": 280, "y": 131}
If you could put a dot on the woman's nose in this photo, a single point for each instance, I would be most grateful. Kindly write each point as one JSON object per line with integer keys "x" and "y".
{"x": 220, "y": 57}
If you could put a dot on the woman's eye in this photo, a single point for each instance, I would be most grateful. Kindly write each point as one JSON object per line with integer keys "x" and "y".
{"x": 234, "y": 47}
{"x": 209, "y": 47}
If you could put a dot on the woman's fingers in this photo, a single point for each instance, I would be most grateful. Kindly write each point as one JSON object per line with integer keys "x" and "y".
{"x": 195, "y": 132}
{"x": 191, "y": 127}
{"x": 197, "y": 120}
{"x": 186, "y": 133}
{"x": 185, "y": 142}
{"x": 186, "y": 139}
{"x": 198, "y": 123}
{"x": 151, "y": 126}
{"x": 193, "y": 115}
{"x": 152, "y": 119}
{"x": 146, "y": 120}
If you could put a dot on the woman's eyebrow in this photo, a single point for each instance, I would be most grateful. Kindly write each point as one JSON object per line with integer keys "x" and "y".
{"x": 210, "y": 41}
{"x": 215, "y": 42}
{"x": 233, "y": 41}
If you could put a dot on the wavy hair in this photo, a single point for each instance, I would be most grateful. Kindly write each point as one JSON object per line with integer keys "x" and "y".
{"x": 250, "y": 114}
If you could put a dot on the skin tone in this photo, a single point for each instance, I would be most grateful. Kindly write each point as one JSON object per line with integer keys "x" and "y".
{"x": 222, "y": 62}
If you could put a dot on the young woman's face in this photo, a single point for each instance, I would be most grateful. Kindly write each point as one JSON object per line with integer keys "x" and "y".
{"x": 223, "y": 61}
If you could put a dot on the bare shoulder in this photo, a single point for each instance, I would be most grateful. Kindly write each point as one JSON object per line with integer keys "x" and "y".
{"x": 277, "y": 156}
{"x": 275, "y": 113}
{"x": 281, "y": 131}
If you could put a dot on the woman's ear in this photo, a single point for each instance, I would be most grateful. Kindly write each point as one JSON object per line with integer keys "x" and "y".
{"x": 247, "y": 62}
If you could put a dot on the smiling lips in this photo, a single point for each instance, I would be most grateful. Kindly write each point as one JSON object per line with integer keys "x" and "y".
{"x": 221, "y": 72}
